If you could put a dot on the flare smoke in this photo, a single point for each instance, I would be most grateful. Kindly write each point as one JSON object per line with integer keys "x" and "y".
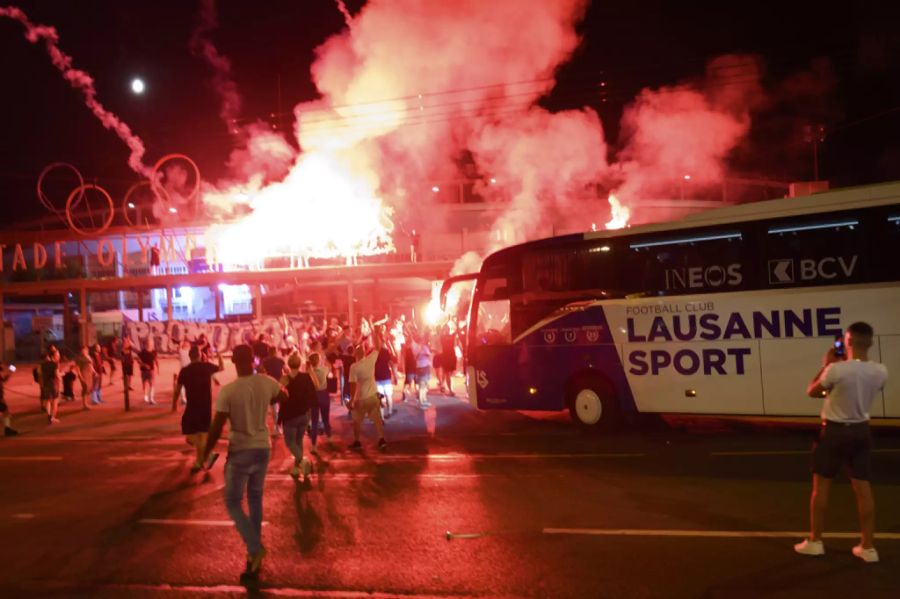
{"x": 83, "y": 82}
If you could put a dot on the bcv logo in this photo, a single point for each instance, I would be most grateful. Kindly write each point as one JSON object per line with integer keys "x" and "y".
{"x": 782, "y": 270}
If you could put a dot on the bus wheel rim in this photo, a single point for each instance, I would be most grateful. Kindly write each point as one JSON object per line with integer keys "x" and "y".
{"x": 588, "y": 406}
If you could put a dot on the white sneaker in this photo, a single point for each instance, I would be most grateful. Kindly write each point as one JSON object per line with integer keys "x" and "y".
{"x": 306, "y": 466}
{"x": 808, "y": 547}
{"x": 869, "y": 555}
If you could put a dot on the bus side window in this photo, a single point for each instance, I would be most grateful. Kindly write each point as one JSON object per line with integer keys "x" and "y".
{"x": 815, "y": 251}
{"x": 704, "y": 261}
{"x": 886, "y": 255}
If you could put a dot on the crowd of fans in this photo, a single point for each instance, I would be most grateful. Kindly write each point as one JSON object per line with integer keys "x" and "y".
{"x": 411, "y": 358}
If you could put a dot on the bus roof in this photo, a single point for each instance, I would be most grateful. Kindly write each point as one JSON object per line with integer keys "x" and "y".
{"x": 830, "y": 201}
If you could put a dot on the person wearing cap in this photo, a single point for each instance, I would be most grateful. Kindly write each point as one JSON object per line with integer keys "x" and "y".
{"x": 244, "y": 403}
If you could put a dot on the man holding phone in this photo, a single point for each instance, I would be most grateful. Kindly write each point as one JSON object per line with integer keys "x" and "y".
{"x": 849, "y": 383}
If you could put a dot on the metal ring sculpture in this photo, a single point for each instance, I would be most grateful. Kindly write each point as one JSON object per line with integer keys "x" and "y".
{"x": 80, "y": 191}
{"x": 40, "y": 186}
{"x": 156, "y": 178}
{"x": 127, "y": 204}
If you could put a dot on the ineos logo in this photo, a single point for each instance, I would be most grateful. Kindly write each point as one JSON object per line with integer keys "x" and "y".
{"x": 695, "y": 277}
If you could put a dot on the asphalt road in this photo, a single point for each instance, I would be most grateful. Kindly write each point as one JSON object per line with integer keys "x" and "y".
{"x": 103, "y": 505}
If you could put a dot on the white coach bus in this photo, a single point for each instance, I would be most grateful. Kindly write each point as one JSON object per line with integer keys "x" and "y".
{"x": 724, "y": 312}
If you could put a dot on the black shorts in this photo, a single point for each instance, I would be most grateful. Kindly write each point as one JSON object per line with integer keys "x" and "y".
{"x": 449, "y": 361}
{"x": 193, "y": 422}
{"x": 3, "y": 406}
{"x": 840, "y": 444}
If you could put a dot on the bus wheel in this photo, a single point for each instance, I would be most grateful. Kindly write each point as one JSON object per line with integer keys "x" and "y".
{"x": 591, "y": 406}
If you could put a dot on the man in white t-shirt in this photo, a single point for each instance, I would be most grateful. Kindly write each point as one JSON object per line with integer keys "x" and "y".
{"x": 245, "y": 404}
{"x": 364, "y": 394}
{"x": 849, "y": 384}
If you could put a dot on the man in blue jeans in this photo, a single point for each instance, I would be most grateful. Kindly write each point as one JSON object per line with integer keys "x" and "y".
{"x": 245, "y": 404}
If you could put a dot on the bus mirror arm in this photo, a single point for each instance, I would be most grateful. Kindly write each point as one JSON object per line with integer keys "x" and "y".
{"x": 450, "y": 282}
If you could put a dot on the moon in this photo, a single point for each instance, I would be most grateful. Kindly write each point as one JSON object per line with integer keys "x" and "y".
{"x": 137, "y": 86}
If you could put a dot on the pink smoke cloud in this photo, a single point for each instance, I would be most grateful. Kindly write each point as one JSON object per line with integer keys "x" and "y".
{"x": 687, "y": 131}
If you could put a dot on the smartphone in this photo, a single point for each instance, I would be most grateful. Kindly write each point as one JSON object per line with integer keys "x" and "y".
{"x": 839, "y": 350}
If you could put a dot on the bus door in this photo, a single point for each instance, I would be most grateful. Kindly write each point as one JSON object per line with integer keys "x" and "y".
{"x": 492, "y": 361}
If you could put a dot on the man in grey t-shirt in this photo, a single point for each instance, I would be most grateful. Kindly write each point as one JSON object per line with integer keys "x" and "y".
{"x": 849, "y": 384}
{"x": 245, "y": 403}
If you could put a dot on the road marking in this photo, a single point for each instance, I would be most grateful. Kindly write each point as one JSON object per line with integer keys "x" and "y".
{"x": 452, "y": 457}
{"x": 190, "y": 522}
{"x": 730, "y": 534}
{"x": 784, "y": 452}
{"x": 352, "y": 476}
{"x": 147, "y": 458}
{"x": 31, "y": 458}
{"x": 760, "y": 453}
{"x": 278, "y": 592}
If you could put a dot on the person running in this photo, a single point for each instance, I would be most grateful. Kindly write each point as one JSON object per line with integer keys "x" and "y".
{"x": 50, "y": 384}
{"x": 68, "y": 384}
{"x": 194, "y": 381}
{"x": 448, "y": 359}
{"x": 322, "y": 409}
{"x": 110, "y": 353}
{"x": 849, "y": 385}
{"x": 295, "y": 412}
{"x": 422, "y": 352}
{"x": 127, "y": 360}
{"x": 364, "y": 395}
{"x": 149, "y": 362}
{"x": 244, "y": 403}
{"x": 409, "y": 370}
{"x": 184, "y": 359}
{"x": 383, "y": 381}
{"x": 97, "y": 357}
{"x": 86, "y": 374}
{"x": 8, "y": 430}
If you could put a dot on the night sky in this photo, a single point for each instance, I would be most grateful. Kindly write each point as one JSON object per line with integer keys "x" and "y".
{"x": 627, "y": 44}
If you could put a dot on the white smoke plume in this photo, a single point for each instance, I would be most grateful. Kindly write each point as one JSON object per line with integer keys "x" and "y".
{"x": 82, "y": 82}
{"x": 348, "y": 18}
{"x": 222, "y": 81}
{"x": 261, "y": 155}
